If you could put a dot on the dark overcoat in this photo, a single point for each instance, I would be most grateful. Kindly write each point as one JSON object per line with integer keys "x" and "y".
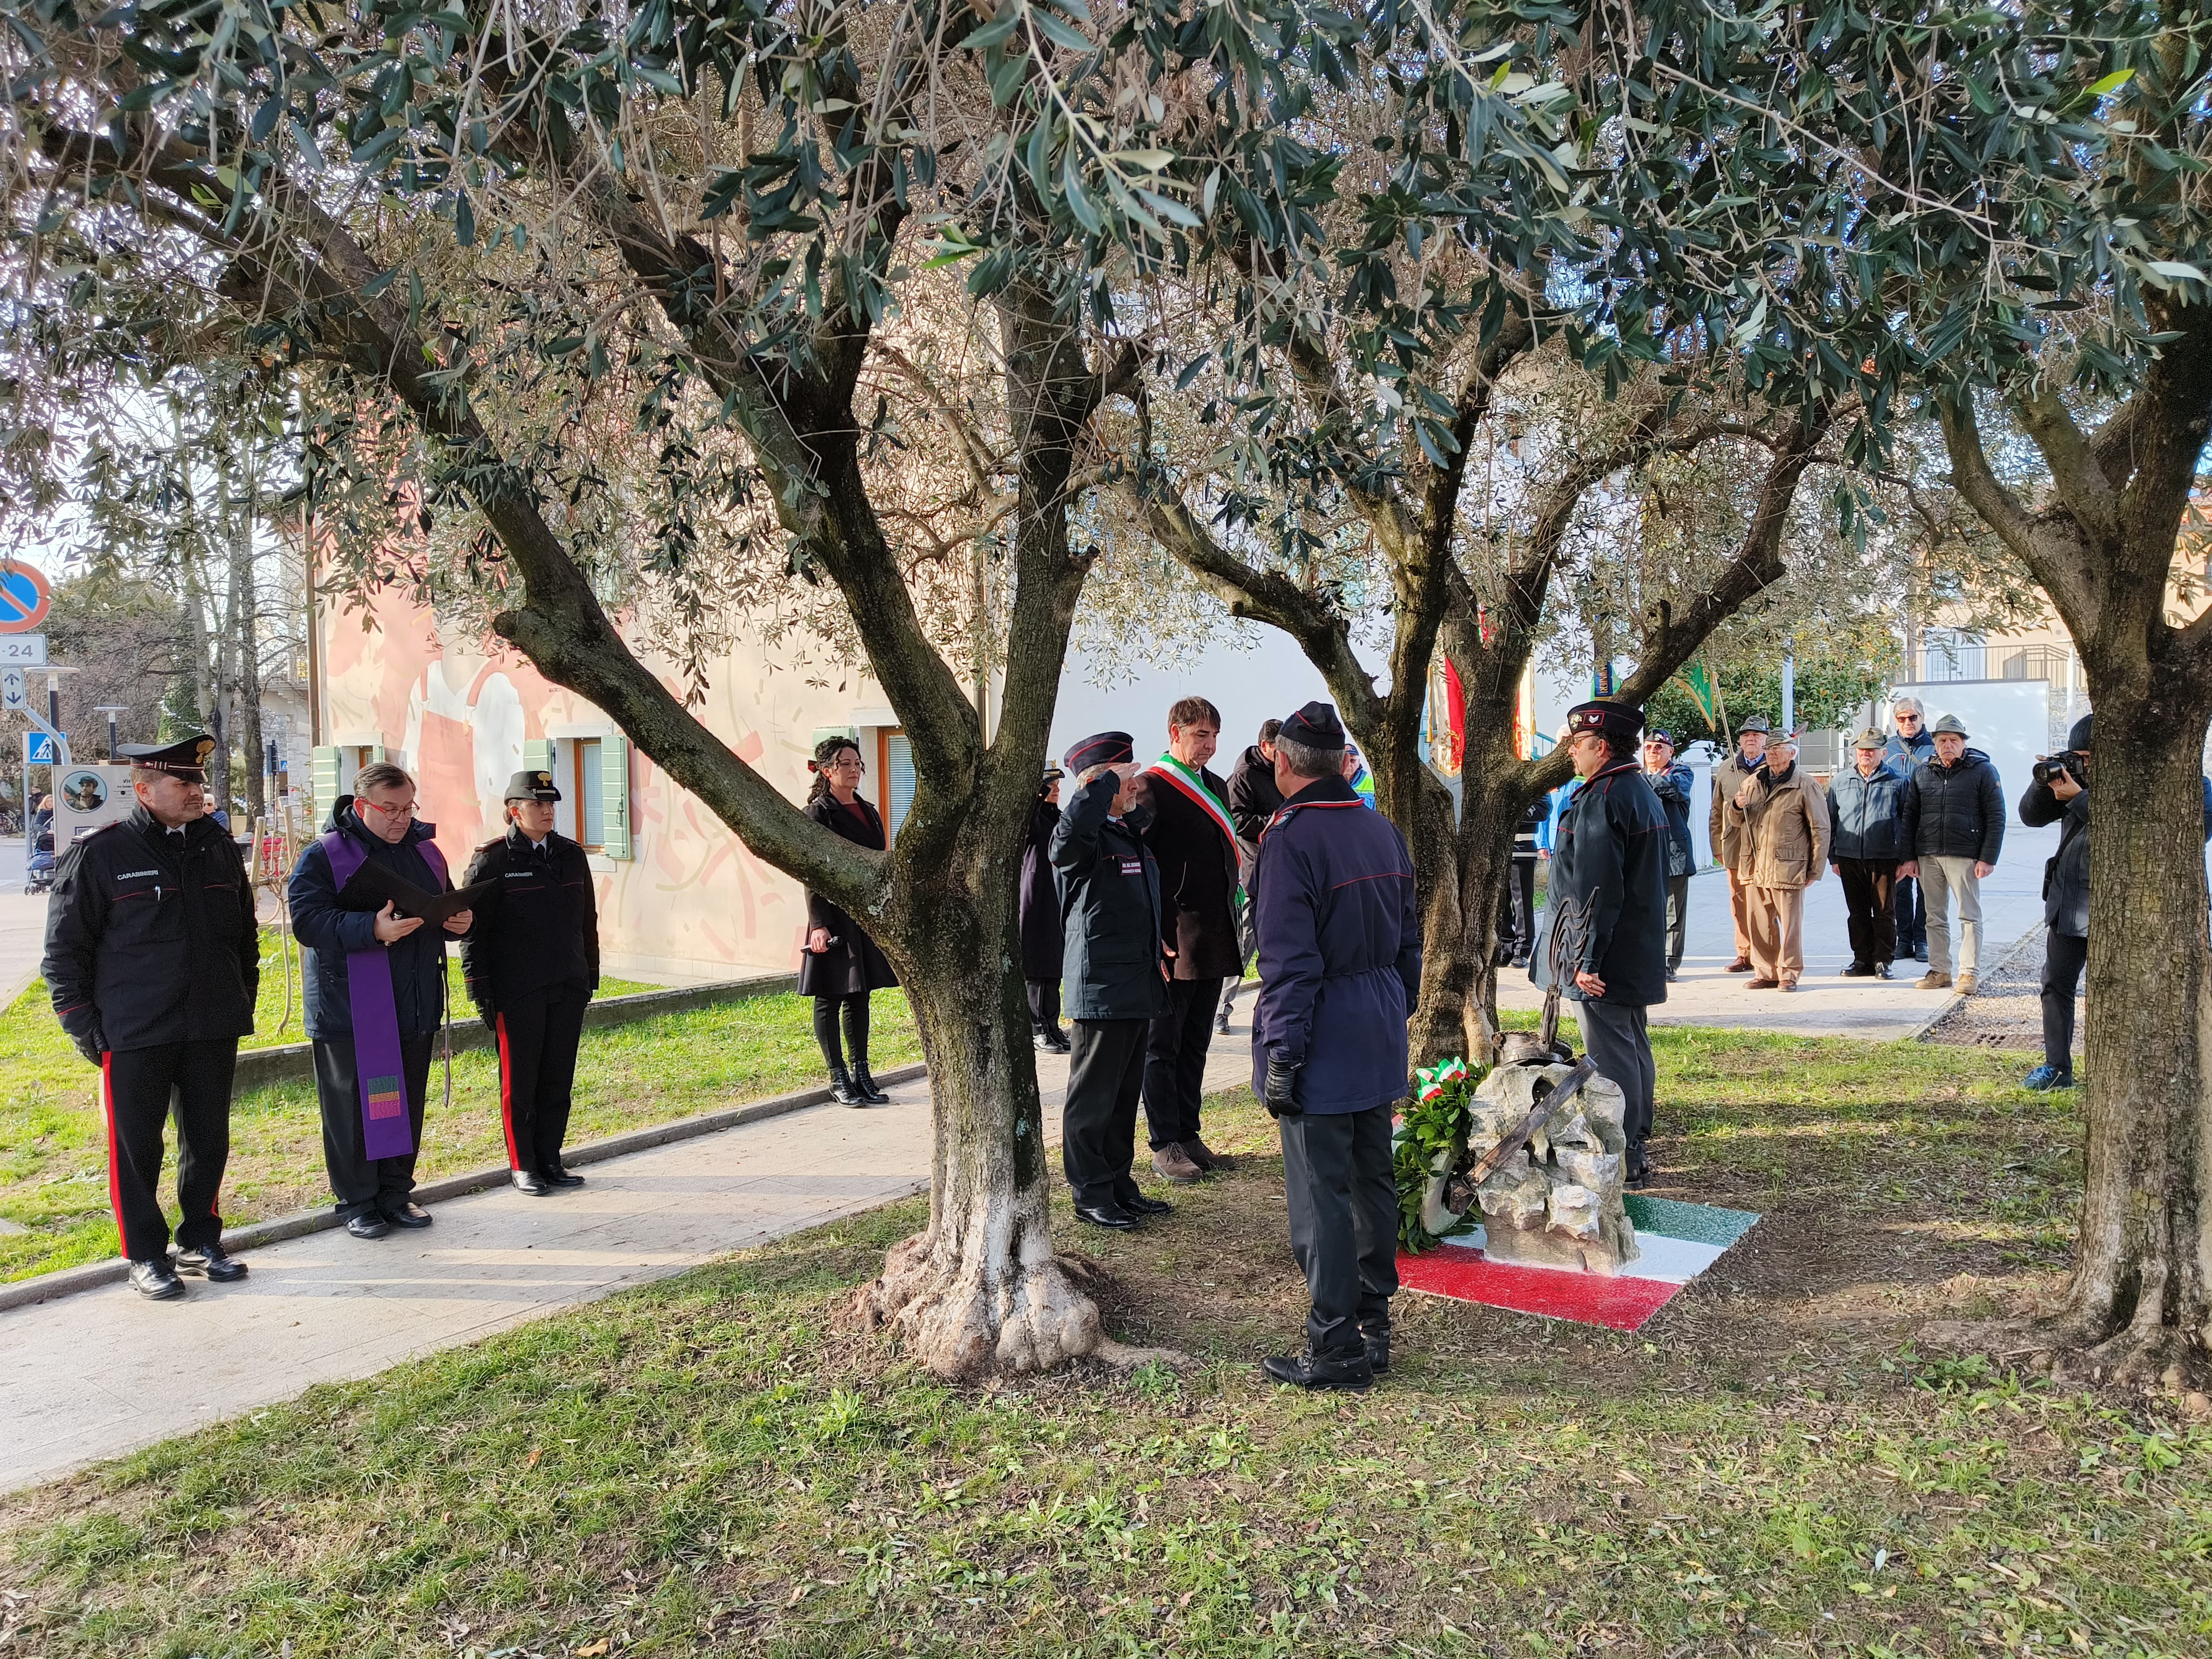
{"x": 328, "y": 932}
{"x": 1612, "y": 857}
{"x": 1198, "y": 881}
{"x": 1044, "y": 947}
{"x": 1253, "y": 799}
{"x": 855, "y": 963}
{"x": 1339, "y": 949}
{"x": 540, "y": 927}
{"x": 1956, "y": 810}
{"x": 1109, "y": 908}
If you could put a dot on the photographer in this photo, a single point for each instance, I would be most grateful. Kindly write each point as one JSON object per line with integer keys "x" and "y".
{"x": 2061, "y": 793}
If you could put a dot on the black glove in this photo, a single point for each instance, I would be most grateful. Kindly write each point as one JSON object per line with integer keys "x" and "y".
{"x": 489, "y": 1015}
{"x": 91, "y": 1045}
{"x": 1282, "y": 1084}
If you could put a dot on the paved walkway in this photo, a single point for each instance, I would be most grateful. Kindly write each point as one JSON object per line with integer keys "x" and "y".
{"x": 23, "y": 924}
{"x": 1824, "y": 1005}
{"x": 95, "y": 1374}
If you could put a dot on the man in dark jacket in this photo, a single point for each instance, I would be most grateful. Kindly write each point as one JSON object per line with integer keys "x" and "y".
{"x": 1114, "y": 976}
{"x": 1866, "y": 815}
{"x": 1340, "y": 971}
{"x": 1253, "y": 799}
{"x": 1953, "y": 830}
{"x": 1908, "y": 746}
{"x": 1194, "y": 840}
{"x": 532, "y": 963}
{"x": 1521, "y": 878}
{"x": 152, "y": 960}
{"x": 372, "y": 1051}
{"x": 1672, "y": 784}
{"x": 1043, "y": 946}
{"x": 1612, "y": 867}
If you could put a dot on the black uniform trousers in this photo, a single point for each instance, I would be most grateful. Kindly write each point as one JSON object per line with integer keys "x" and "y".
{"x": 1044, "y": 1006}
{"x": 138, "y": 1086}
{"x": 1344, "y": 1223}
{"x": 1910, "y": 907}
{"x": 2064, "y": 956}
{"x": 1869, "y": 907}
{"x": 362, "y": 1184}
{"x": 1619, "y": 1044}
{"x": 1678, "y": 919}
{"x": 1520, "y": 932}
{"x": 1098, "y": 1124}
{"x": 1175, "y": 1061}
{"x": 538, "y": 1038}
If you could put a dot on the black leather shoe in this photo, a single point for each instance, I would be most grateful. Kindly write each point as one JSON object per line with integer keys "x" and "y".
{"x": 370, "y": 1225}
{"x": 1881, "y": 970}
{"x": 1106, "y": 1215}
{"x": 842, "y": 1090}
{"x": 1859, "y": 970}
{"x": 526, "y": 1180}
{"x": 213, "y": 1264}
{"x": 1142, "y": 1205}
{"x": 1639, "y": 1170}
{"x": 1378, "y": 1351}
{"x": 1057, "y": 1042}
{"x": 866, "y": 1086}
{"x": 559, "y": 1177}
{"x": 1041, "y": 1041}
{"x": 407, "y": 1213}
{"x": 1312, "y": 1370}
{"x": 155, "y": 1281}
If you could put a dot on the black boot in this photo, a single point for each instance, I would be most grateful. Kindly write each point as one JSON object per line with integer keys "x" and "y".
{"x": 865, "y": 1085}
{"x": 1313, "y": 1371}
{"x": 841, "y": 1086}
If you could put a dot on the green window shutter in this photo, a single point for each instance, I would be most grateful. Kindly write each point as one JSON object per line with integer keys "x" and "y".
{"x": 538, "y": 755}
{"x": 614, "y": 797}
{"x": 377, "y": 751}
{"x": 323, "y": 778}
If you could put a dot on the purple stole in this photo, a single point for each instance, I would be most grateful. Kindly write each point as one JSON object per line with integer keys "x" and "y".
{"x": 378, "y": 1070}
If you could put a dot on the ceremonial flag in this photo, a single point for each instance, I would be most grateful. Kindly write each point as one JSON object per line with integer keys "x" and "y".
{"x": 1697, "y": 679}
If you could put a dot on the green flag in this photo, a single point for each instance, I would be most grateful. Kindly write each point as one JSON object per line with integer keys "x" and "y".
{"x": 1697, "y": 681}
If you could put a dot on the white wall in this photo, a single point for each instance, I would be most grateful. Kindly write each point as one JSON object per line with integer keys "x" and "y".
{"x": 2009, "y": 721}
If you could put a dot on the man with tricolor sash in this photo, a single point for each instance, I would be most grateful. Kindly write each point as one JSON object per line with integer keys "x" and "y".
{"x": 376, "y": 996}
{"x": 1194, "y": 840}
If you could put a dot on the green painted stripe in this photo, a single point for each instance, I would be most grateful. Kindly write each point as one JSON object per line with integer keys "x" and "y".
{"x": 1704, "y": 1223}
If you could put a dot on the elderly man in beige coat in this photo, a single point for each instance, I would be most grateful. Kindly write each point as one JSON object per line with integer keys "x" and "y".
{"x": 1726, "y": 832}
{"x": 1781, "y": 817}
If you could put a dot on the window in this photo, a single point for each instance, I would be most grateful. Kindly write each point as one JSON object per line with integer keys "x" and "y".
{"x": 589, "y": 778}
{"x": 894, "y": 778}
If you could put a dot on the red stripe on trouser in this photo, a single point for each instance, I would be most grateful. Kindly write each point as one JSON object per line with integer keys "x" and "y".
{"x": 507, "y": 1093}
{"x": 114, "y": 1149}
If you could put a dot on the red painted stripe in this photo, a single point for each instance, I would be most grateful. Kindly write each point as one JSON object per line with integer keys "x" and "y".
{"x": 114, "y": 1179}
{"x": 1468, "y": 1275}
{"x": 507, "y": 1094}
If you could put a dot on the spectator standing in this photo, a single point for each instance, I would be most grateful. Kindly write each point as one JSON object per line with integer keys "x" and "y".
{"x": 1194, "y": 840}
{"x": 1530, "y": 837}
{"x": 1726, "y": 832}
{"x": 841, "y": 966}
{"x": 1909, "y": 744}
{"x": 1954, "y": 825}
{"x": 1044, "y": 942}
{"x": 1672, "y": 784}
{"x": 375, "y": 995}
{"x": 1115, "y": 976}
{"x": 1867, "y": 806}
{"x": 1253, "y": 799}
{"x": 1782, "y": 848}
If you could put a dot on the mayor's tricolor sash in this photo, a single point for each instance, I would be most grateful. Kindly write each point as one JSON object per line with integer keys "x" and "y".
{"x": 1176, "y": 775}
{"x": 378, "y": 1069}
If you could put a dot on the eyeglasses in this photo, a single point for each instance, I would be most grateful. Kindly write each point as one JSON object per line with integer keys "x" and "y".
{"x": 406, "y": 809}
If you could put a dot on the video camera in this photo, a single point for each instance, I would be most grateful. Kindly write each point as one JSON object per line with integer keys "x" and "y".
{"x": 2072, "y": 762}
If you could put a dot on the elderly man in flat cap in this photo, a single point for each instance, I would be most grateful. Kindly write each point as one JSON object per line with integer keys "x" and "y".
{"x": 1866, "y": 810}
{"x": 1115, "y": 977}
{"x": 154, "y": 960}
{"x": 1611, "y": 867}
{"x": 1724, "y": 838}
{"x": 532, "y": 963}
{"x": 1954, "y": 825}
{"x": 1339, "y": 947}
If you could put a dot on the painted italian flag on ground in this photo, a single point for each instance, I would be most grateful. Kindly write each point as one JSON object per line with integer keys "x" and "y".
{"x": 1678, "y": 1242}
{"x": 1173, "y": 773}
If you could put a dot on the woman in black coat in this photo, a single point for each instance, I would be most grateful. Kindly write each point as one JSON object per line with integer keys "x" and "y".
{"x": 1043, "y": 943}
{"x": 842, "y": 964}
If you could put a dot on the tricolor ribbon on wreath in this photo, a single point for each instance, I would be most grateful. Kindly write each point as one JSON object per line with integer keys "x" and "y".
{"x": 1430, "y": 1082}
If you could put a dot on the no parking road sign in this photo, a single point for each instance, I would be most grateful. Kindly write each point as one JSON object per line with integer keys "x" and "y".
{"x": 24, "y": 598}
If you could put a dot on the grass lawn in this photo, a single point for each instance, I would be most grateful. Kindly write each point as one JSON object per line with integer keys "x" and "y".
{"x": 1834, "y": 1443}
{"x": 53, "y": 1135}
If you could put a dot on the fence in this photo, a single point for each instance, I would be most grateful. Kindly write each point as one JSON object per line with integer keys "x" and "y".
{"x": 1966, "y": 659}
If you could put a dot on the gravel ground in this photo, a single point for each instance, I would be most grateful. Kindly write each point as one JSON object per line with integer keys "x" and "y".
{"x": 2006, "y": 1010}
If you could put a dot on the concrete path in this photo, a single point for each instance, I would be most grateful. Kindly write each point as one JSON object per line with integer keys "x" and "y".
{"x": 97, "y": 1374}
{"x": 1824, "y": 1005}
{"x": 23, "y": 924}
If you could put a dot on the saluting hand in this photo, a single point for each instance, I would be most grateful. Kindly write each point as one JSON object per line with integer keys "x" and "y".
{"x": 390, "y": 926}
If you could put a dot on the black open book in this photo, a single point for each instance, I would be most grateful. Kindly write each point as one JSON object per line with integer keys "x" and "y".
{"x": 372, "y": 886}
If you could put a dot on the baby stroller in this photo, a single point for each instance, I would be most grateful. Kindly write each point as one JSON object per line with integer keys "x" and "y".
{"x": 39, "y": 868}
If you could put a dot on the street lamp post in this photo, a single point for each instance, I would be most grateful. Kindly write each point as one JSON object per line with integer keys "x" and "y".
{"x": 114, "y": 711}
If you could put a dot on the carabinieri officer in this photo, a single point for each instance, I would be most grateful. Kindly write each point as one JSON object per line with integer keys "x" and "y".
{"x": 1611, "y": 859}
{"x": 154, "y": 960}
{"x": 532, "y": 963}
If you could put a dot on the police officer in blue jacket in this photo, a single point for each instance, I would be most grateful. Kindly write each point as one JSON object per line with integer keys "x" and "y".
{"x": 1339, "y": 949}
{"x": 1611, "y": 864}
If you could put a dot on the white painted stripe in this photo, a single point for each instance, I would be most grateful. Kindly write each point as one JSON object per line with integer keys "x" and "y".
{"x": 1669, "y": 1260}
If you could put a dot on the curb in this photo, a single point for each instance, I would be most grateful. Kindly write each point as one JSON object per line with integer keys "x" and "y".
{"x": 285, "y": 1062}
{"x": 1957, "y": 999}
{"x": 91, "y": 1275}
